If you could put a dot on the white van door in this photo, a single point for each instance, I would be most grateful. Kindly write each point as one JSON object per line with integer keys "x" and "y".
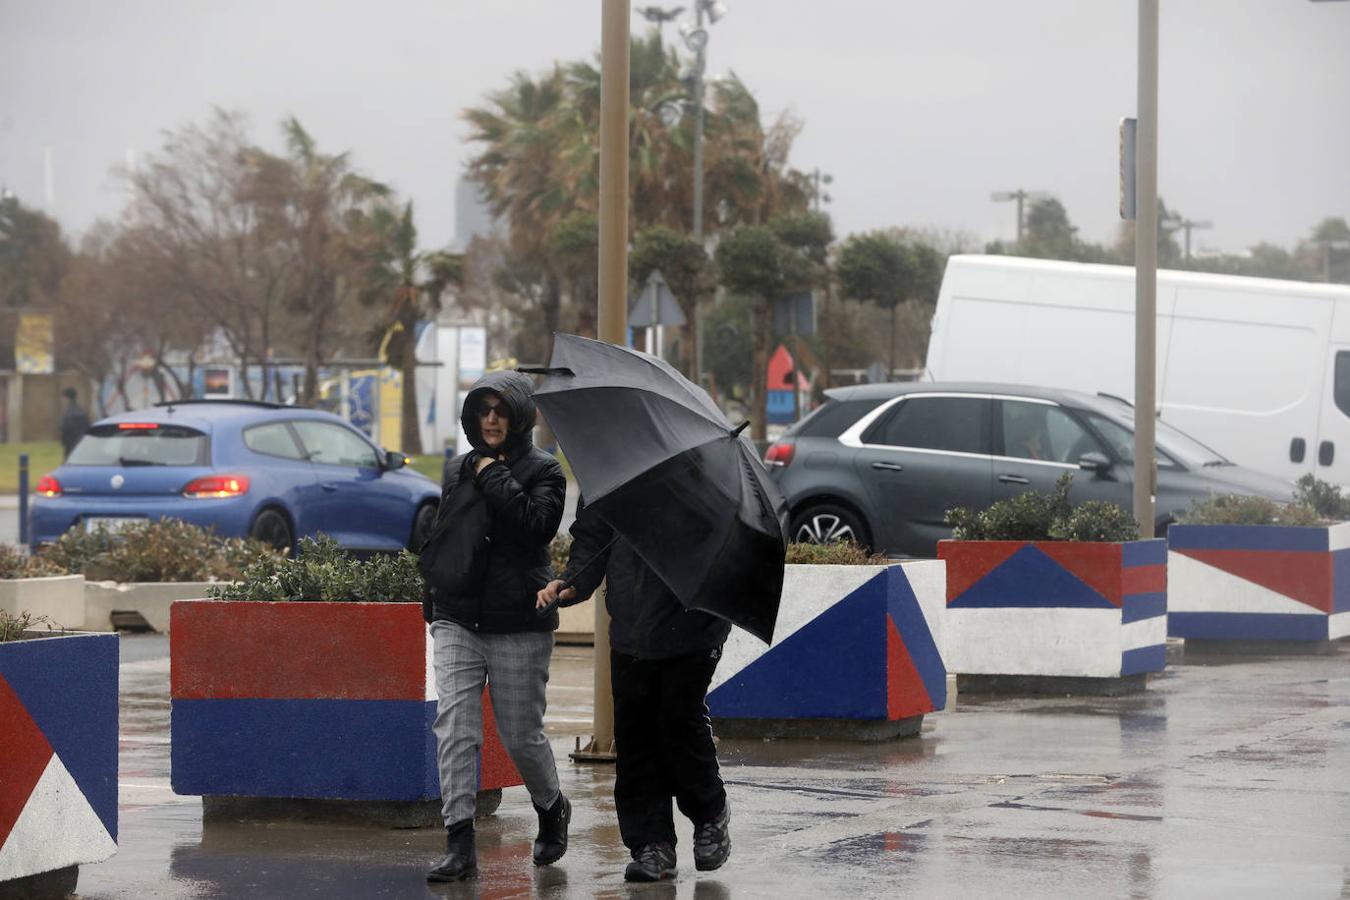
{"x": 1245, "y": 371}
{"x": 1330, "y": 456}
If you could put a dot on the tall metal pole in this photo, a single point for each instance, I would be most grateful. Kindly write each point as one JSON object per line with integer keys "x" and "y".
{"x": 1021, "y": 196}
{"x": 612, "y": 319}
{"x": 697, "y": 230}
{"x": 1146, "y": 269}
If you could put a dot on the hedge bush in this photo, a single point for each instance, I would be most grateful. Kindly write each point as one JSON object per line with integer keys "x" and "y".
{"x": 1235, "y": 509}
{"x": 14, "y": 564}
{"x": 13, "y": 626}
{"x": 154, "y": 550}
{"x": 835, "y": 553}
{"x": 1038, "y": 516}
{"x": 322, "y": 571}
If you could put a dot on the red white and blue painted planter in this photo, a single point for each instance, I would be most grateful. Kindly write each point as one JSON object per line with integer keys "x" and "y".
{"x": 1259, "y": 582}
{"x": 309, "y": 700}
{"x": 58, "y": 753}
{"x": 1056, "y": 608}
{"x": 852, "y": 643}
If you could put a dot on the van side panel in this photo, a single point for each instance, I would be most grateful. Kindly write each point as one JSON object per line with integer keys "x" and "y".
{"x": 1041, "y": 323}
{"x": 1245, "y": 374}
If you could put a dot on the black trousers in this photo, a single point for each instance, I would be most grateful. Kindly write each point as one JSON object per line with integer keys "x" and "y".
{"x": 665, "y": 745}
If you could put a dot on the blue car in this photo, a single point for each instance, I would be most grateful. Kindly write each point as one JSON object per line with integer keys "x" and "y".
{"x": 271, "y": 472}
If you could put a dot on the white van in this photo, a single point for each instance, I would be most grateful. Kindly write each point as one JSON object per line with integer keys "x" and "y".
{"x": 1258, "y": 369}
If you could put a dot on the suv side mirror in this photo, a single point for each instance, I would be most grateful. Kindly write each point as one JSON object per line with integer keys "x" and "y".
{"x": 1094, "y": 462}
{"x": 394, "y": 460}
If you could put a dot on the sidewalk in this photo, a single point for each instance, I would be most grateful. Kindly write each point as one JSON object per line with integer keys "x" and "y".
{"x": 1219, "y": 780}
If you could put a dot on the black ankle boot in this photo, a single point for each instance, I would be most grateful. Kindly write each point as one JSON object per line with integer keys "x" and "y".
{"x": 461, "y": 859}
{"x": 551, "y": 843}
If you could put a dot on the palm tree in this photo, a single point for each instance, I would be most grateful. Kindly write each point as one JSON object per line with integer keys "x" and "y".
{"x": 314, "y": 202}
{"x": 411, "y": 284}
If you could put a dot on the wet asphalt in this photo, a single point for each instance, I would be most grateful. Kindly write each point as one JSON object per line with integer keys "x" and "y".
{"x": 1229, "y": 777}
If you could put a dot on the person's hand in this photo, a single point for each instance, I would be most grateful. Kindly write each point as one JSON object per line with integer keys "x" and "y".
{"x": 483, "y": 463}
{"x": 550, "y": 594}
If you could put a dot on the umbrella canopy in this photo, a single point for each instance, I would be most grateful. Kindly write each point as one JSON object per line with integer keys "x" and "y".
{"x": 657, "y": 460}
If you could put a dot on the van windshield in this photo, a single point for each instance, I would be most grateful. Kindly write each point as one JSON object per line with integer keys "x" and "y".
{"x": 1170, "y": 444}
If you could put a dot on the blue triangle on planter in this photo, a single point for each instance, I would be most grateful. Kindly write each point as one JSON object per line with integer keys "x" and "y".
{"x": 834, "y": 667}
{"x": 1029, "y": 578}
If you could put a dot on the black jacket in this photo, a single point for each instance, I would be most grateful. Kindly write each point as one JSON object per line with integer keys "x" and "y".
{"x": 488, "y": 555}
{"x": 646, "y": 619}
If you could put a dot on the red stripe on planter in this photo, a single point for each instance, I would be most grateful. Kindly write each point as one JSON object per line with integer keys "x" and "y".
{"x": 1096, "y": 565}
{"x": 297, "y": 651}
{"x": 497, "y": 770}
{"x": 905, "y": 692}
{"x": 1144, "y": 580}
{"x": 24, "y": 754}
{"x": 1304, "y": 576}
{"x": 975, "y": 560}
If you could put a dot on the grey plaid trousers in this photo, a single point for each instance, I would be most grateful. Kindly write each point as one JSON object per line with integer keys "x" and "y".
{"x": 515, "y": 668}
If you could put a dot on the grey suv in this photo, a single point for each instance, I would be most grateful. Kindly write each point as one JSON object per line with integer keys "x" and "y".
{"x": 881, "y": 464}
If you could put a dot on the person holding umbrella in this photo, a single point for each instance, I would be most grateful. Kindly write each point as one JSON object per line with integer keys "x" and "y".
{"x": 662, "y": 658}
{"x": 680, "y": 515}
{"x": 483, "y": 564}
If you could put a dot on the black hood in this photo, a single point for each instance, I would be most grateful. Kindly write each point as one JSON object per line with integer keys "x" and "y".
{"x": 517, "y": 393}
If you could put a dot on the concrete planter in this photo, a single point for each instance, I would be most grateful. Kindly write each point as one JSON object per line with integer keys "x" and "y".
{"x": 855, "y": 655}
{"x": 576, "y": 624}
{"x": 59, "y": 598}
{"x": 1259, "y": 582}
{"x": 316, "y": 701}
{"x": 58, "y": 759}
{"x": 150, "y": 600}
{"x": 1055, "y": 610}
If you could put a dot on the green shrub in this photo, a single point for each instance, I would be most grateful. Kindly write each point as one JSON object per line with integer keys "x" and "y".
{"x": 558, "y": 551}
{"x": 1235, "y": 509}
{"x": 324, "y": 572}
{"x": 1322, "y": 498}
{"x": 154, "y": 550}
{"x": 835, "y": 553}
{"x": 14, "y": 564}
{"x": 1098, "y": 521}
{"x": 13, "y": 626}
{"x": 1038, "y": 516}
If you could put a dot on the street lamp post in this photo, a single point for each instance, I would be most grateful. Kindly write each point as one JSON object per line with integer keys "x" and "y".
{"x": 697, "y": 41}
{"x": 1021, "y": 196}
{"x": 1185, "y": 226}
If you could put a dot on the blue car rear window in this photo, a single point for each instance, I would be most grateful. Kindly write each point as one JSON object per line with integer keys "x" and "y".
{"x": 121, "y": 445}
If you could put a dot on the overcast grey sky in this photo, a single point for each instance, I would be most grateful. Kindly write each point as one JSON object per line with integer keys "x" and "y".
{"x": 918, "y": 109}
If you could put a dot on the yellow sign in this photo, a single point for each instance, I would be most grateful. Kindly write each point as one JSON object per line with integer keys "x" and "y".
{"x": 33, "y": 345}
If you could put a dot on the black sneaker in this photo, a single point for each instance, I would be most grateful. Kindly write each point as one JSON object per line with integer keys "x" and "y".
{"x": 712, "y": 841}
{"x": 652, "y": 862}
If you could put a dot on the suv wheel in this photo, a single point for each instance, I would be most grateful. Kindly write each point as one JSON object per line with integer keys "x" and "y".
{"x": 826, "y": 524}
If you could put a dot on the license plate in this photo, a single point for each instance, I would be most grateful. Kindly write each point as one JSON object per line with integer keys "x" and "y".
{"x": 113, "y": 524}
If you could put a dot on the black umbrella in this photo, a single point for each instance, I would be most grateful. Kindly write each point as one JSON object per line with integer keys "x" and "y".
{"x": 657, "y": 460}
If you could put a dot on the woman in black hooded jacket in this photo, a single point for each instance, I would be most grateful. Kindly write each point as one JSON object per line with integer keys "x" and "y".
{"x": 483, "y": 564}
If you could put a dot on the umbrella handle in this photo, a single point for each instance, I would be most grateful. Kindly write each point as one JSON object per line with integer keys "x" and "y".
{"x": 545, "y": 610}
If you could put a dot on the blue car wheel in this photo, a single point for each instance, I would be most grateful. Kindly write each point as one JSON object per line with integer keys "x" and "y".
{"x": 272, "y": 528}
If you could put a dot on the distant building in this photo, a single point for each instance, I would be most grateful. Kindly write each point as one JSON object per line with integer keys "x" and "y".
{"x": 472, "y": 216}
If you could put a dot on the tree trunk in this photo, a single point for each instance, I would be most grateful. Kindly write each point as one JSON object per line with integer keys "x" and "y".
{"x": 891, "y": 374}
{"x": 412, "y": 431}
{"x": 759, "y": 409}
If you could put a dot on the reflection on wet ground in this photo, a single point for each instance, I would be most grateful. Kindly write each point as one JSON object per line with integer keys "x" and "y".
{"x": 1224, "y": 778}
